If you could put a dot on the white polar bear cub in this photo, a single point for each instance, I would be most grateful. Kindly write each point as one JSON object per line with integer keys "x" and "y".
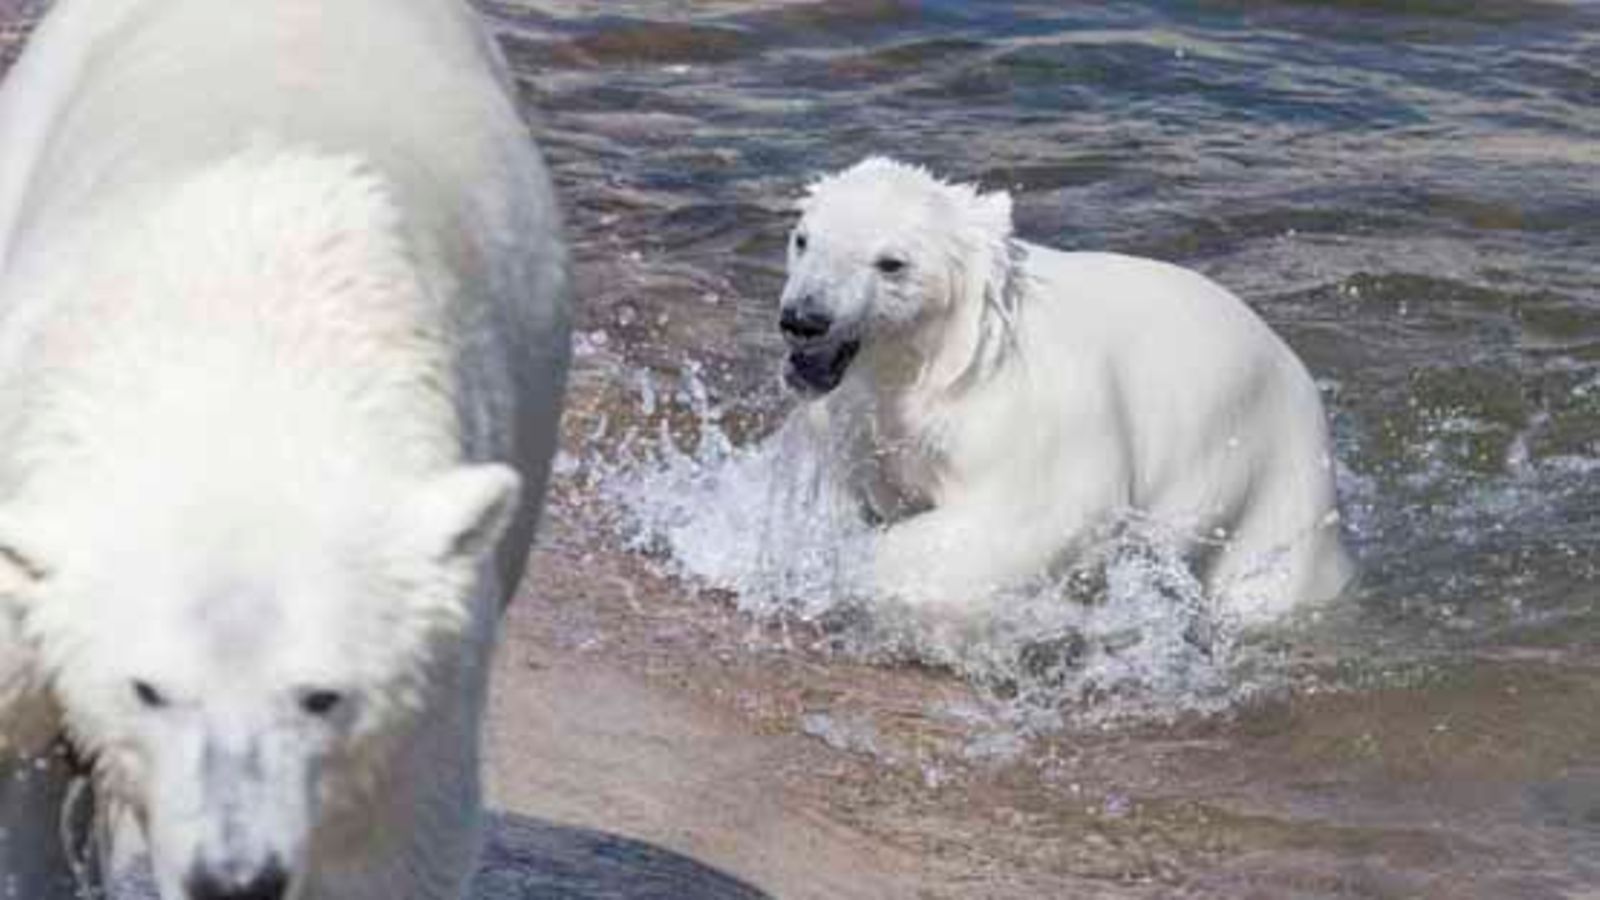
{"x": 283, "y": 337}
{"x": 996, "y": 401}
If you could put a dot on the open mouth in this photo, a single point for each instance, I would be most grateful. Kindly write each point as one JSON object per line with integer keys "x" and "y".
{"x": 818, "y": 370}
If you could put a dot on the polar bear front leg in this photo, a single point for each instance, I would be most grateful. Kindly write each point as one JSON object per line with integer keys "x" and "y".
{"x": 925, "y": 561}
{"x": 953, "y": 558}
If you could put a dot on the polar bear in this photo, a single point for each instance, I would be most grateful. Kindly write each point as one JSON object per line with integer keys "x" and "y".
{"x": 996, "y": 402}
{"x": 283, "y": 339}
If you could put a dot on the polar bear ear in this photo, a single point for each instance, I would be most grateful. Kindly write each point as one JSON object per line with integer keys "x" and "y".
{"x": 459, "y": 516}
{"x": 992, "y": 213}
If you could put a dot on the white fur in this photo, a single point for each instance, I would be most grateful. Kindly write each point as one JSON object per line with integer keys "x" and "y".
{"x": 1008, "y": 400}
{"x": 283, "y": 334}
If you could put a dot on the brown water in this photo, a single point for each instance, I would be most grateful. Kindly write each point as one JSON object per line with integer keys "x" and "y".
{"x": 1409, "y": 192}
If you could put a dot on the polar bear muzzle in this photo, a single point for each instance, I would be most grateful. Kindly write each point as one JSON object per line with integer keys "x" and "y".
{"x": 814, "y": 371}
{"x": 270, "y": 882}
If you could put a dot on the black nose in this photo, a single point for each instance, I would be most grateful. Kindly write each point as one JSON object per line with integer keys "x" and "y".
{"x": 269, "y": 883}
{"x": 804, "y": 324}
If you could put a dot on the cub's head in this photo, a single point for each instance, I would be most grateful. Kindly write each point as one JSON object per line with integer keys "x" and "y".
{"x": 888, "y": 258}
{"x": 243, "y": 665}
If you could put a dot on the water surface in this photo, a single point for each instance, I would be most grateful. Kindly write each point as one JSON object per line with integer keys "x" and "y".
{"x": 1409, "y": 193}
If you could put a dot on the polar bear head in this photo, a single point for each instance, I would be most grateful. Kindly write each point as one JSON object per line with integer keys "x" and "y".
{"x": 245, "y": 666}
{"x": 889, "y": 263}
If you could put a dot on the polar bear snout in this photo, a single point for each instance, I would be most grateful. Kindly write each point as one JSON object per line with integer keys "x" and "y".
{"x": 231, "y": 813}
{"x": 267, "y": 882}
{"x": 820, "y": 347}
{"x": 817, "y": 370}
{"x": 804, "y": 323}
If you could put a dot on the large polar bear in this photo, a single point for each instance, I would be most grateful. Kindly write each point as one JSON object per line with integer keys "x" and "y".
{"x": 997, "y": 402}
{"x": 283, "y": 335}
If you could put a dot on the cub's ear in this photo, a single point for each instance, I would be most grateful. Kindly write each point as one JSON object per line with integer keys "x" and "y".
{"x": 992, "y": 213}
{"x": 459, "y": 516}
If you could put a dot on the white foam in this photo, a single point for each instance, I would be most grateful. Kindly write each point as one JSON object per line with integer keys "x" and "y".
{"x": 1129, "y": 633}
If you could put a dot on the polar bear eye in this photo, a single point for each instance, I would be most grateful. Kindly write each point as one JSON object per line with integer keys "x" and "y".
{"x": 148, "y": 695}
{"x": 799, "y": 242}
{"x": 320, "y": 702}
{"x": 889, "y": 265}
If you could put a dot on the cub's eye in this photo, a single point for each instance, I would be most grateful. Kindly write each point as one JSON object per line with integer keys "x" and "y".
{"x": 800, "y": 243}
{"x": 148, "y": 695}
{"x": 889, "y": 265}
{"x": 321, "y": 702}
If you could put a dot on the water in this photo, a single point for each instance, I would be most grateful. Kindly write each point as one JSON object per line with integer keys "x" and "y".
{"x": 1409, "y": 197}
{"x": 1408, "y": 192}
{"x": 1128, "y": 633}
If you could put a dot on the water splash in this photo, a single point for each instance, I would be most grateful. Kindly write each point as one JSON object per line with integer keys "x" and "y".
{"x": 1128, "y": 633}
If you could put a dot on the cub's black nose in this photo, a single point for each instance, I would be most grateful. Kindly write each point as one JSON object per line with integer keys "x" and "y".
{"x": 269, "y": 883}
{"x": 804, "y": 324}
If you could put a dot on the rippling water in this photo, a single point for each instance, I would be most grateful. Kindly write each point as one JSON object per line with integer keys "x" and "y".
{"x": 1409, "y": 192}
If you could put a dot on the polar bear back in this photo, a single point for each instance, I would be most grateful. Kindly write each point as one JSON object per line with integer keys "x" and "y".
{"x": 1219, "y": 427}
{"x": 344, "y": 75}
{"x": 1189, "y": 356}
{"x": 120, "y": 103}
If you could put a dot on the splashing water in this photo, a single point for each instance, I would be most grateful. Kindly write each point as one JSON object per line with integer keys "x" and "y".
{"x": 1127, "y": 633}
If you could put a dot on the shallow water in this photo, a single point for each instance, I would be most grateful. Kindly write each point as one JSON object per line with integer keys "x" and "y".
{"x": 1409, "y": 192}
